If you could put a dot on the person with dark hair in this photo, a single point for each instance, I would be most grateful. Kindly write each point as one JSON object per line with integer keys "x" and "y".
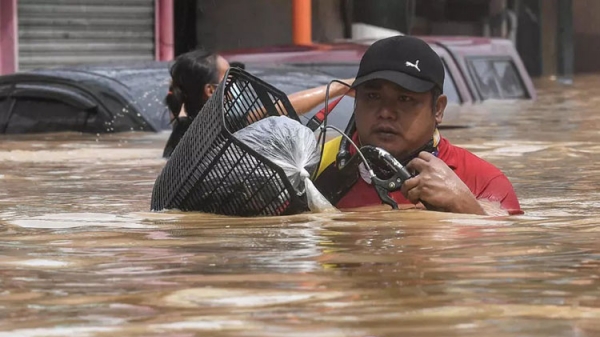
{"x": 399, "y": 103}
{"x": 195, "y": 76}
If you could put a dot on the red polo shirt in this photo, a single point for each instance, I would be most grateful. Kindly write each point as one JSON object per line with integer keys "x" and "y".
{"x": 483, "y": 179}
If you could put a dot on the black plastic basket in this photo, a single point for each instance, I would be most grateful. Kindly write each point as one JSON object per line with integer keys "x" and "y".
{"x": 208, "y": 155}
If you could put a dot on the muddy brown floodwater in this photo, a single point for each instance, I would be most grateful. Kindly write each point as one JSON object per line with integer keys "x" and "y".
{"x": 81, "y": 255}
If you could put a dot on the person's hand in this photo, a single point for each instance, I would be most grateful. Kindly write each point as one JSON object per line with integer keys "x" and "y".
{"x": 348, "y": 81}
{"x": 437, "y": 187}
{"x": 346, "y": 90}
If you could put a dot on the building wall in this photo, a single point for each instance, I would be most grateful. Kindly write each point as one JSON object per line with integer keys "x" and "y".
{"x": 587, "y": 35}
{"x": 328, "y": 20}
{"x": 529, "y": 35}
{"x": 39, "y": 36}
{"x": 232, "y": 24}
{"x": 8, "y": 36}
{"x": 229, "y": 24}
{"x": 549, "y": 18}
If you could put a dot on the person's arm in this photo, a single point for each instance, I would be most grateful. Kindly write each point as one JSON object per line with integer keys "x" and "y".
{"x": 306, "y": 100}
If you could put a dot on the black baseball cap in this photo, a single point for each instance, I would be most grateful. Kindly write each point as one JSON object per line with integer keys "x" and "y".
{"x": 405, "y": 60}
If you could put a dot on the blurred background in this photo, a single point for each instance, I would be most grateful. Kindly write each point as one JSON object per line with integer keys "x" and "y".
{"x": 42, "y": 33}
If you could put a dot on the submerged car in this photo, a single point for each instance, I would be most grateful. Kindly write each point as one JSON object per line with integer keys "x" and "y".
{"x": 112, "y": 98}
{"x": 89, "y": 99}
{"x": 477, "y": 69}
{"x": 130, "y": 97}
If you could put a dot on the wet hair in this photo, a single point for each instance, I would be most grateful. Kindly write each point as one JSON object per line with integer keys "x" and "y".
{"x": 189, "y": 74}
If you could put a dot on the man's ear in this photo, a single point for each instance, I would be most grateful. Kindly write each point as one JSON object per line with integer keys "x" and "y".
{"x": 440, "y": 106}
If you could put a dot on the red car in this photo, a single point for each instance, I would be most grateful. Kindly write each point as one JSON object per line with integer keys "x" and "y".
{"x": 477, "y": 69}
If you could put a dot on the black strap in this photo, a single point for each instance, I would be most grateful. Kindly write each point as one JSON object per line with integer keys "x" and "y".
{"x": 335, "y": 182}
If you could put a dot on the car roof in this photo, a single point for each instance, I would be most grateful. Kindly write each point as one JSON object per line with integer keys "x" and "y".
{"x": 341, "y": 51}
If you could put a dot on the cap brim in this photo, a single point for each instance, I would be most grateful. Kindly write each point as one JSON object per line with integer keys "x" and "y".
{"x": 406, "y": 81}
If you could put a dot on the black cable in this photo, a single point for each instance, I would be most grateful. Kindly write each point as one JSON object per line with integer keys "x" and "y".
{"x": 324, "y": 125}
{"x": 358, "y": 151}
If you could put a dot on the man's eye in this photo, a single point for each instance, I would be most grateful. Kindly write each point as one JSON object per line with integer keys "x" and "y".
{"x": 405, "y": 98}
{"x": 372, "y": 95}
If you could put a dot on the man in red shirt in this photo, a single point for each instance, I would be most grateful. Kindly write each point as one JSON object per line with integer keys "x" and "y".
{"x": 399, "y": 104}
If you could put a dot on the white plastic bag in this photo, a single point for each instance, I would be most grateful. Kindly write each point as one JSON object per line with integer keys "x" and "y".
{"x": 291, "y": 146}
{"x": 316, "y": 201}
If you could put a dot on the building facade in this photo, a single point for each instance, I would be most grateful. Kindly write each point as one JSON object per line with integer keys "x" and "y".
{"x": 42, "y": 33}
{"x": 46, "y": 33}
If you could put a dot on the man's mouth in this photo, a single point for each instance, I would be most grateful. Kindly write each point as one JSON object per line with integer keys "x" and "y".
{"x": 385, "y": 130}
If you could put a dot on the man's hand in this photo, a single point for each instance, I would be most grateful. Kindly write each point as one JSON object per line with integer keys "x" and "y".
{"x": 438, "y": 187}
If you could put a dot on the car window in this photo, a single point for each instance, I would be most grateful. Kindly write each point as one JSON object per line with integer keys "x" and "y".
{"x": 509, "y": 79}
{"x": 496, "y": 78}
{"x": 450, "y": 87}
{"x": 45, "y": 115}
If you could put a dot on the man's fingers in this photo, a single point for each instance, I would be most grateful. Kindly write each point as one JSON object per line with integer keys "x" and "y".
{"x": 411, "y": 187}
{"x": 417, "y": 164}
{"x": 413, "y": 195}
{"x": 426, "y": 156}
{"x": 410, "y": 183}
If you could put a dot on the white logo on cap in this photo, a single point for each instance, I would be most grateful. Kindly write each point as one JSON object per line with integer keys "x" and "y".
{"x": 414, "y": 65}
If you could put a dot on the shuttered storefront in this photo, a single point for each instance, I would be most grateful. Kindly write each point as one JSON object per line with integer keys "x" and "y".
{"x": 66, "y": 32}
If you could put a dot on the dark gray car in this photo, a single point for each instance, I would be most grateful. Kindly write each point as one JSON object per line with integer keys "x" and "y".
{"x": 118, "y": 98}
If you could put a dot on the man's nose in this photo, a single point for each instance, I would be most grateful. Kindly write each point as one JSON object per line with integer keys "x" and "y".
{"x": 387, "y": 112}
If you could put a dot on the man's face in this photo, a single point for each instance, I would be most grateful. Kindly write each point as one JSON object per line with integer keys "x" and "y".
{"x": 395, "y": 119}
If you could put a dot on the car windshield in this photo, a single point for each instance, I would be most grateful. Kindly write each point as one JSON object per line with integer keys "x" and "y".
{"x": 496, "y": 78}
